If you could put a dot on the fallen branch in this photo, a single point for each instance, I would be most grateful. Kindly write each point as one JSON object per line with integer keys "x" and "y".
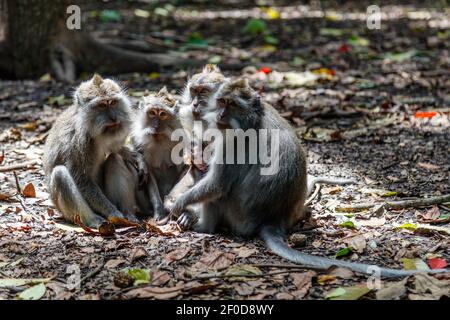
{"x": 396, "y": 205}
{"x": 268, "y": 274}
{"x": 24, "y": 165}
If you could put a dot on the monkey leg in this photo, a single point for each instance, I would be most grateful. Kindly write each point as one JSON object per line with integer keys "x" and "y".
{"x": 68, "y": 199}
{"x": 204, "y": 218}
{"x": 120, "y": 183}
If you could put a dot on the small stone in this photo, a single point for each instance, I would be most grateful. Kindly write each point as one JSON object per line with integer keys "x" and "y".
{"x": 297, "y": 240}
{"x": 123, "y": 280}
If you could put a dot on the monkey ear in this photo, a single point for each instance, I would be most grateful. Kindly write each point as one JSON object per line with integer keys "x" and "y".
{"x": 97, "y": 80}
{"x": 211, "y": 68}
{"x": 163, "y": 92}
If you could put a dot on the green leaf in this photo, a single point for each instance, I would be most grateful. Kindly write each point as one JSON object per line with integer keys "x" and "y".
{"x": 356, "y": 41}
{"x": 344, "y": 252}
{"x": 34, "y": 293}
{"x": 109, "y": 16}
{"x": 408, "y": 226}
{"x": 389, "y": 194}
{"x": 141, "y": 13}
{"x": 255, "y": 26}
{"x": 400, "y": 57}
{"x": 335, "y": 293}
{"x": 298, "y": 61}
{"x": 349, "y": 293}
{"x": 196, "y": 39}
{"x": 331, "y": 32}
{"x": 348, "y": 224}
{"x": 140, "y": 276}
{"x": 162, "y": 12}
{"x": 270, "y": 39}
{"x": 414, "y": 264}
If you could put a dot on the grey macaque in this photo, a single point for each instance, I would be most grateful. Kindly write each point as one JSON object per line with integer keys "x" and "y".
{"x": 151, "y": 137}
{"x": 82, "y": 138}
{"x": 239, "y": 198}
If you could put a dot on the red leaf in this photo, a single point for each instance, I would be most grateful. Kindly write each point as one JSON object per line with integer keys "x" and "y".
{"x": 29, "y": 191}
{"x": 265, "y": 70}
{"x": 344, "y": 48}
{"x": 425, "y": 114}
{"x": 437, "y": 263}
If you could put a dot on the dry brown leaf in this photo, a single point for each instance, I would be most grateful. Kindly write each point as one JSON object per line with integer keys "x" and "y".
{"x": 392, "y": 290}
{"x": 427, "y": 287}
{"x": 176, "y": 255}
{"x": 113, "y": 263}
{"x": 29, "y": 191}
{"x": 326, "y": 279}
{"x": 137, "y": 254}
{"x": 343, "y": 273}
{"x": 160, "y": 278}
{"x": 216, "y": 260}
{"x": 156, "y": 292}
{"x": 373, "y": 222}
{"x": 244, "y": 252}
{"x": 302, "y": 281}
{"x": 4, "y": 197}
{"x": 428, "y": 166}
{"x": 358, "y": 243}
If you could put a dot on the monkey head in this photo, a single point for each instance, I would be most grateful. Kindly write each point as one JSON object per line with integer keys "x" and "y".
{"x": 104, "y": 107}
{"x": 158, "y": 115}
{"x": 199, "y": 88}
{"x": 234, "y": 106}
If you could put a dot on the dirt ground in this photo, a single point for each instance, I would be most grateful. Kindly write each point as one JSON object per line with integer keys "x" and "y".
{"x": 372, "y": 105}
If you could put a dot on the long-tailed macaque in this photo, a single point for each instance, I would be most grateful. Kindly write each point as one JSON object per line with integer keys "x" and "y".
{"x": 95, "y": 126}
{"x": 238, "y": 197}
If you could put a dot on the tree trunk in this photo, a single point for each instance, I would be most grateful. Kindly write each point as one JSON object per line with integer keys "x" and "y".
{"x": 36, "y": 41}
{"x": 31, "y": 27}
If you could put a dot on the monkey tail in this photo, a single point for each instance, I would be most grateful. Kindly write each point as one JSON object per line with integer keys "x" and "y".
{"x": 274, "y": 239}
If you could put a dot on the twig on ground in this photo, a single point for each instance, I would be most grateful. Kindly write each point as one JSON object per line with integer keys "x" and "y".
{"x": 396, "y": 205}
{"x": 23, "y": 165}
{"x": 93, "y": 272}
{"x": 314, "y": 195}
{"x": 16, "y": 179}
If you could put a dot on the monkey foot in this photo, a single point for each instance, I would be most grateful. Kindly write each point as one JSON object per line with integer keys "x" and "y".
{"x": 186, "y": 220}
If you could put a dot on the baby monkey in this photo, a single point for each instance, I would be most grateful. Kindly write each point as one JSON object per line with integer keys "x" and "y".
{"x": 151, "y": 137}
{"x": 95, "y": 126}
{"x": 237, "y": 197}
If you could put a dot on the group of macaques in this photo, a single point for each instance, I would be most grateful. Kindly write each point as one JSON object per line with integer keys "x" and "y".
{"x": 94, "y": 176}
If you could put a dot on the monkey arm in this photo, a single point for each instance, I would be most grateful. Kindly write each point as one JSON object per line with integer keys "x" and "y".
{"x": 208, "y": 188}
{"x": 155, "y": 196}
{"x": 96, "y": 199}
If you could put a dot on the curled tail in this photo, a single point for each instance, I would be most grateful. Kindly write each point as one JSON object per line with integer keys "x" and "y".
{"x": 275, "y": 242}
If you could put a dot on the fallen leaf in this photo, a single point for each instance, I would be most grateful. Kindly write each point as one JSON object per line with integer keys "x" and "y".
{"x": 303, "y": 282}
{"x": 407, "y": 226}
{"x": 176, "y": 255}
{"x": 392, "y": 290}
{"x": 113, "y": 263}
{"x": 348, "y": 293}
{"x": 414, "y": 264}
{"x": 156, "y": 292}
{"x": 140, "y": 276}
{"x": 242, "y": 270}
{"x": 427, "y": 115}
{"x": 137, "y": 254}
{"x": 326, "y": 279}
{"x": 15, "y": 282}
{"x": 217, "y": 260}
{"x": 427, "y": 287}
{"x": 373, "y": 222}
{"x": 244, "y": 252}
{"x": 343, "y": 252}
{"x": 348, "y": 224}
{"x": 343, "y": 273}
{"x": 29, "y": 191}
{"x": 34, "y": 293}
{"x": 437, "y": 263}
{"x": 358, "y": 243}
{"x": 160, "y": 278}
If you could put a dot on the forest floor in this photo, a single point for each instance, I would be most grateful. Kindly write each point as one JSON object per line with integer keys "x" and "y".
{"x": 372, "y": 105}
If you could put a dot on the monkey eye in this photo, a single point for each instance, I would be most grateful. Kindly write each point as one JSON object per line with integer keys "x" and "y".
{"x": 205, "y": 90}
{"x": 223, "y": 102}
{"x": 163, "y": 115}
{"x": 103, "y": 104}
{"x": 112, "y": 102}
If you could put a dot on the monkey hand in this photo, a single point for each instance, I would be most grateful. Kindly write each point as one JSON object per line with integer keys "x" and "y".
{"x": 177, "y": 207}
{"x": 187, "y": 220}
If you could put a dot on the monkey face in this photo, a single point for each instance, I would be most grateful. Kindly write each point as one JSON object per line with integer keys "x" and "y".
{"x": 200, "y": 87}
{"x": 104, "y": 107}
{"x": 158, "y": 115}
{"x": 236, "y": 105}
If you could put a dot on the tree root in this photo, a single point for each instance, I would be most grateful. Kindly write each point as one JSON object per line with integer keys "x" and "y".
{"x": 396, "y": 205}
